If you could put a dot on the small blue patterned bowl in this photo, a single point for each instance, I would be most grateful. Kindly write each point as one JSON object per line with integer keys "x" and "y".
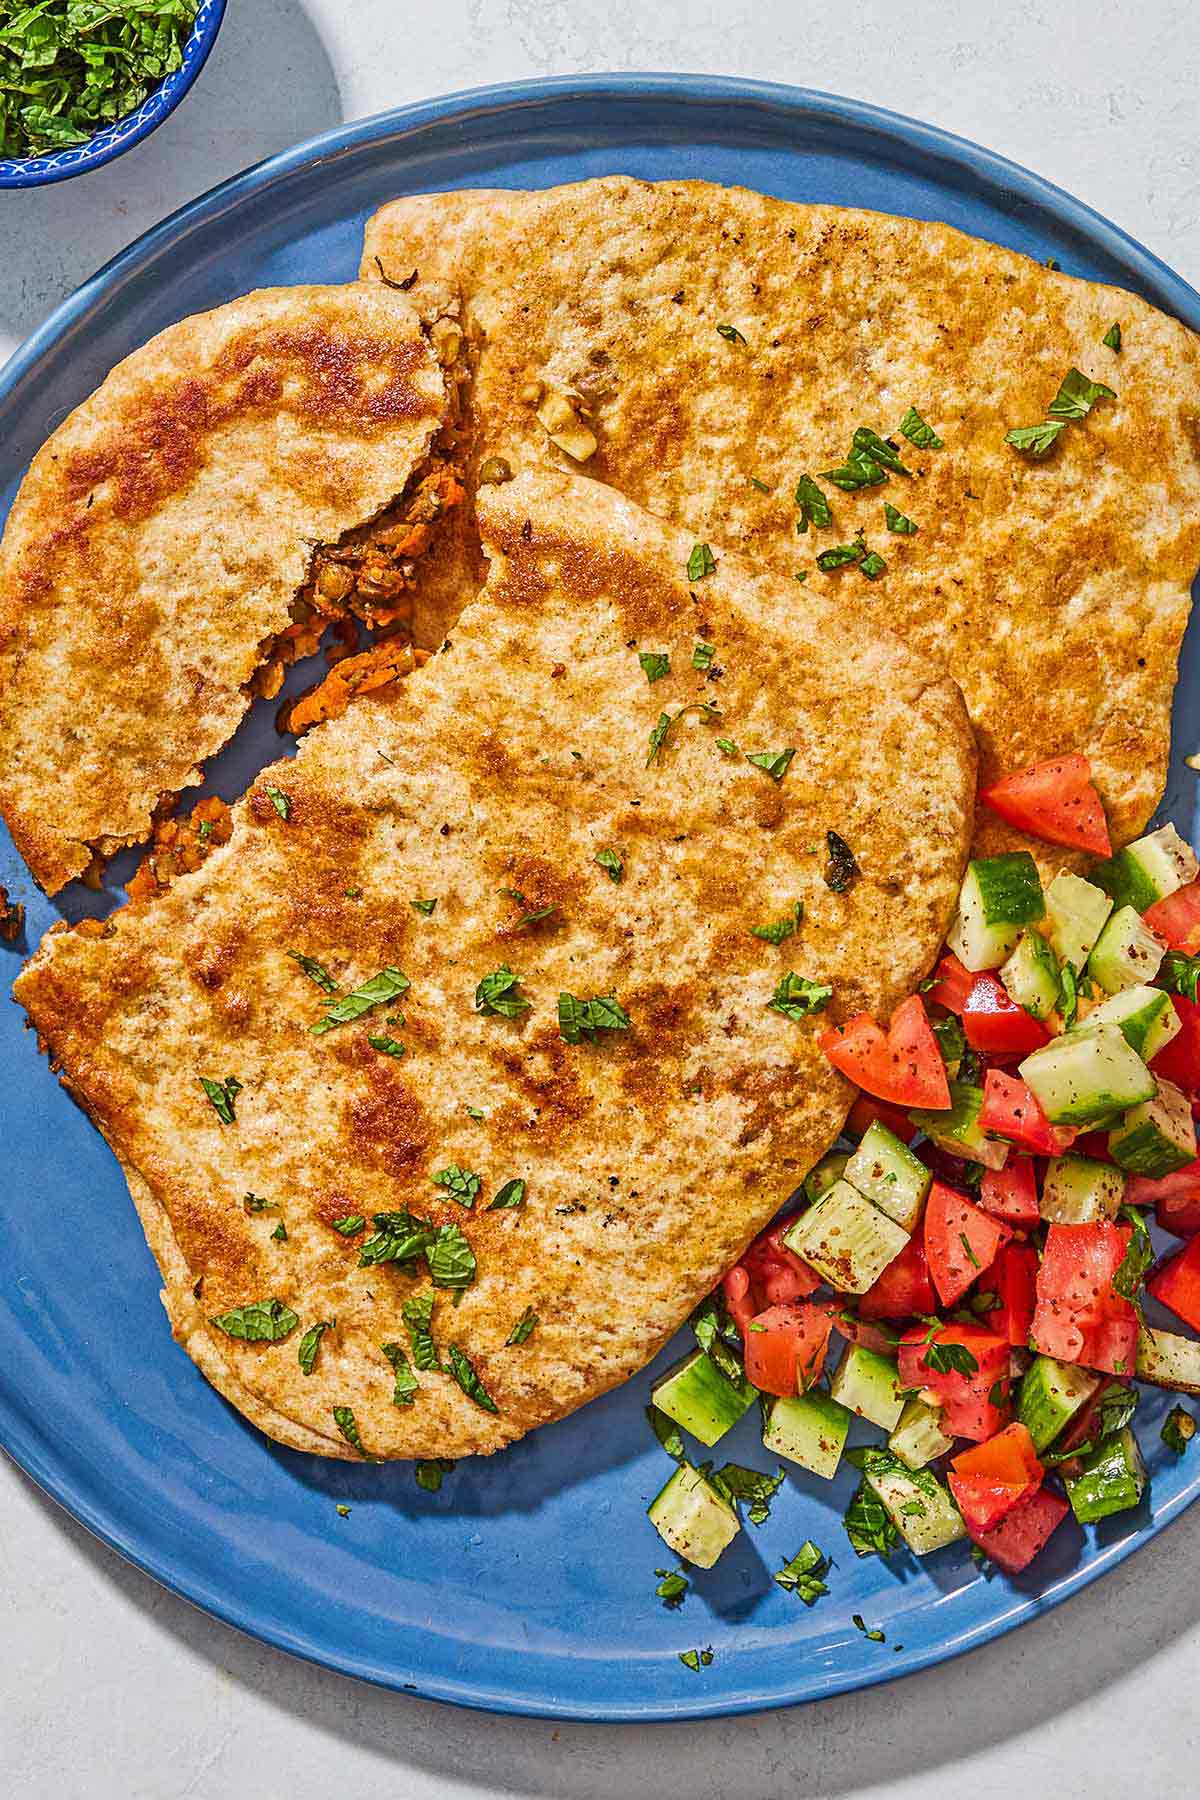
{"x": 60, "y": 165}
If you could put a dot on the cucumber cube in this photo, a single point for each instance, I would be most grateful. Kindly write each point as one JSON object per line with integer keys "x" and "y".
{"x": 1050, "y": 1395}
{"x": 1080, "y": 1077}
{"x": 915, "y": 1500}
{"x": 846, "y": 1240}
{"x": 957, "y": 1130}
{"x": 1113, "y": 1479}
{"x": 887, "y": 1172}
{"x": 868, "y": 1384}
{"x": 1157, "y": 1137}
{"x": 701, "y": 1398}
{"x": 1148, "y": 870}
{"x": 1081, "y": 1191}
{"x": 809, "y": 1429}
{"x": 823, "y": 1175}
{"x": 1168, "y": 1360}
{"x": 1143, "y": 1015}
{"x": 1031, "y": 975}
{"x": 1127, "y": 953}
{"x": 692, "y": 1518}
{"x": 999, "y": 895}
{"x": 1075, "y": 915}
{"x": 918, "y": 1437}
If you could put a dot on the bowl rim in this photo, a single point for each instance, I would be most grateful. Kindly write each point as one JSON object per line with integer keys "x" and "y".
{"x": 113, "y": 140}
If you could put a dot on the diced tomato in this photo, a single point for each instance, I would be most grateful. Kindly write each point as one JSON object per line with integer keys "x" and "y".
{"x": 960, "y": 1241}
{"x": 1010, "y": 1110}
{"x": 994, "y": 1023}
{"x": 1055, "y": 801}
{"x": 975, "y": 1404}
{"x": 1010, "y": 1194}
{"x": 1177, "y": 1284}
{"x": 1179, "y": 1061}
{"x": 1079, "y": 1317}
{"x": 1093, "y": 1144}
{"x": 1175, "y": 1198}
{"x": 865, "y": 1111}
{"x": 904, "y": 1290}
{"x": 1013, "y": 1544}
{"x": 989, "y": 1480}
{"x": 767, "y": 1274}
{"x": 1013, "y": 1280}
{"x": 1177, "y": 918}
{"x": 880, "y": 1338}
{"x": 785, "y": 1347}
{"x": 951, "y": 983}
{"x": 905, "y": 1066}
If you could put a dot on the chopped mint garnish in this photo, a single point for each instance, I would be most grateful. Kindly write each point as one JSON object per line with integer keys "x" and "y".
{"x": 254, "y": 1203}
{"x": 858, "y": 471}
{"x": 798, "y": 998}
{"x": 873, "y": 565}
{"x": 417, "y": 1313}
{"x": 841, "y": 869}
{"x": 950, "y": 1358}
{"x": 898, "y": 521}
{"x": 752, "y": 1486}
{"x": 529, "y": 915}
{"x": 259, "y": 1322}
{"x": 511, "y": 1195}
{"x": 280, "y": 801}
{"x": 731, "y": 334}
{"x": 406, "y": 1382}
{"x": 347, "y": 1424}
{"x": 1180, "y": 974}
{"x": 497, "y": 993}
{"x": 728, "y": 747}
{"x": 523, "y": 1327}
{"x": 280, "y": 1233}
{"x": 701, "y": 562}
{"x": 696, "y": 1659}
{"x": 702, "y": 655}
{"x": 350, "y": 1224}
{"x": 760, "y": 485}
{"x": 840, "y": 555}
{"x": 814, "y": 507}
{"x": 803, "y": 1575}
{"x": 310, "y": 1343}
{"x": 387, "y": 985}
{"x": 387, "y": 1046}
{"x": 451, "y": 1259}
{"x": 779, "y": 929}
{"x": 612, "y": 864}
{"x": 667, "y": 721}
{"x": 655, "y": 664}
{"x": 463, "y": 1371}
{"x": 398, "y": 1237}
{"x": 315, "y": 971}
{"x": 1077, "y": 396}
{"x": 868, "y": 1525}
{"x": 914, "y": 428}
{"x": 430, "y": 1471}
{"x": 461, "y": 1184}
{"x": 869, "y": 444}
{"x": 1179, "y": 1428}
{"x": 424, "y": 907}
{"x": 221, "y": 1096}
{"x": 1112, "y": 337}
{"x": 875, "y": 1637}
{"x": 775, "y": 762}
{"x": 1035, "y": 440}
{"x": 579, "y": 1019}
{"x": 672, "y": 1586}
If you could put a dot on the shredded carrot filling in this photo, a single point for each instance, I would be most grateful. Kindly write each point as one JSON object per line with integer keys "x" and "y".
{"x": 181, "y": 845}
{"x": 377, "y": 667}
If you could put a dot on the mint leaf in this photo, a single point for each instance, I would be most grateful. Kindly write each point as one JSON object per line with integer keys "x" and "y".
{"x": 873, "y": 565}
{"x": 315, "y": 971}
{"x": 406, "y": 1382}
{"x": 280, "y": 801}
{"x": 579, "y": 1019}
{"x": 347, "y": 1424}
{"x": 803, "y": 1575}
{"x": 780, "y": 929}
{"x": 667, "y": 1433}
{"x": 1035, "y": 440}
{"x": 667, "y": 722}
{"x": 798, "y": 998}
{"x": 731, "y": 334}
{"x": 523, "y": 1327}
{"x": 259, "y": 1322}
{"x": 461, "y": 1184}
{"x": 310, "y": 1343}
{"x": 1077, "y": 396}
{"x": 914, "y": 428}
{"x": 869, "y": 444}
{"x": 387, "y": 1046}
{"x": 655, "y": 664}
{"x": 1179, "y": 1426}
{"x": 611, "y": 863}
{"x": 398, "y": 1237}
{"x": 672, "y": 1586}
{"x": 451, "y": 1259}
{"x": 497, "y": 993}
{"x": 702, "y": 655}
{"x": 430, "y": 1471}
{"x": 814, "y": 507}
{"x": 752, "y": 1486}
{"x": 463, "y": 1371}
{"x": 1112, "y": 337}
{"x": 858, "y": 471}
{"x": 350, "y": 1224}
{"x": 221, "y": 1096}
{"x": 387, "y": 985}
{"x": 868, "y": 1525}
{"x": 417, "y": 1313}
{"x": 511, "y": 1195}
{"x": 700, "y": 563}
{"x": 424, "y": 907}
{"x": 898, "y": 521}
{"x": 775, "y": 762}
{"x": 840, "y": 555}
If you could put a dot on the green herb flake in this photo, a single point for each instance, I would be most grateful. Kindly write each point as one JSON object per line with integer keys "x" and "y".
{"x": 347, "y": 1424}
{"x": 417, "y": 1313}
{"x": 873, "y": 565}
{"x": 343, "y": 1512}
{"x": 751, "y": 1486}
{"x": 461, "y": 1184}
{"x": 948, "y": 1358}
{"x": 1178, "y": 1430}
{"x": 451, "y": 1259}
{"x": 430, "y": 1472}
{"x": 1180, "y": 974}
{"x": 523, "y": 1328}
{"x": 815, "y": 509}
{"x": 874, "y": 1637}
{"x": 406, "y": 1384}
{"x": 775, "y": 763}
{"x": 508, "y": 1197}
{"x": 696, "y": 1659}
{"x": 667, "y": 1433}
{"x": 497, "y": 993}
{"x": 221, "y": 1096}
{"x": 1139, "y": 1255}
{"x": 529, "y": 915}
{"x": 842, "y": 869}
{"x": 858, "y": 471}
{"x": 869, "y": 444}
{"x": 463, "y": 1371}
{"x": 655, "y": 664}
{"x": 398, "y": 1237}
{"x": 424, "y": 907}
{"x": 279, "y": 1234}
{"x": 310, "y": 1344}
{"x": 612, "y": 864}
{"x": 702, "y": 655}
{"x": 731, "y": 334}
{"x": 579, "y": 1019}
{"x": 350, "y": 1224}
{"x": 386, "y": 1046}
{"x": 386, "y": 986}
{"x": 315, "y": 971}
{"x": 1068, "y": 995}
{"x": 760, "y": 485}
{"x": 259, "y": 1322}
{"x": 475, "y": 1112}
{"x": 914, "y": 428}
{"x": 898, "y": 521}
{"x": 280, "y": 801}
{"x": 672, "y": 1586}
{"x": 1077, "y": 396}
{"x": 254, "y": 1203}
{"x": 840, "y": 556}
{"x": 798, "y": 998}
{"x": 727, "y": 747}
{"x": 867, "y": 1524}
{"x": 804, "y": 1574}
{"x": 701, "y": 562}
{"x": 667, "y": 721}
{"x": 970, "y": 1255}
{"x": 780, "y": 929}
{"x": 1112, "y": 337}
{"x": 1035, "y": 440}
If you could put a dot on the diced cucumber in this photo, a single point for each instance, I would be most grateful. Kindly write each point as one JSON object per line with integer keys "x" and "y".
{"x": 1127, "y": 952}
{"x": 1075, "y": 915}
{"x": 868, "y": 1384}
{"x": 1050, "y": 1395}
{"x": 1143, "y": 1015}
{"x": 823, "y": 1175}
{"x": 1081, "y": 1076}
{"x": 918, "y": 1437}
{"x": 999, "y": 895}
{"x": 958, "y": 1132}
{"x": 915, "y": 1500}
{"x": 692, "y": 1518}
{"x": 698, "y": 1396}
{"x": 809, "y": 1429}
{"x": 846, "y": 1240}
{"x": 1157, "y": 1137}
{"x": 1080, "y": 1191}
{"x": 1031, "y": 975}
{"x": 1168, "y": 1360}
{"x": 887, "y": 1172}
{"x": 1147, "y": 870}
{"x": 1113, "y": 1479}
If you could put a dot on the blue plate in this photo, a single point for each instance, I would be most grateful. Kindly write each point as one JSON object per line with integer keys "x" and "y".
{"x": 527, "y": 1584}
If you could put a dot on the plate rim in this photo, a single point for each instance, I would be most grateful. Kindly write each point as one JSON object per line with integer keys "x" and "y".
{"x": 33, "y": 1449}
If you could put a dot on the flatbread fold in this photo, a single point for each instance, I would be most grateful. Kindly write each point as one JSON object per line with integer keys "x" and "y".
{"x": 156, "y": 548}
{"x": 719, "y": 343}
{"x": 490, "y": 781}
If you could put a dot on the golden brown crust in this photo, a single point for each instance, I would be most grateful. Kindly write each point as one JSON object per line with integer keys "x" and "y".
{"x": 508, "y": 763}
{"x": 1056, "y": 592}
{"x": 160, "y": 536}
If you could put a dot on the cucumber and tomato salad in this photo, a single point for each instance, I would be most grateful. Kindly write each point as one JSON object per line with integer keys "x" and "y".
{"x": 981, "y": 1245}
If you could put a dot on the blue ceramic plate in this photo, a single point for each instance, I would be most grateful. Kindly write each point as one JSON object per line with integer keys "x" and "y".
{"x": 527, "y": 1584}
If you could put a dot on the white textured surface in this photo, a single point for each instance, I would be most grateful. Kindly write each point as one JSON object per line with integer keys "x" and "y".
{"x": 111, "y": 1689}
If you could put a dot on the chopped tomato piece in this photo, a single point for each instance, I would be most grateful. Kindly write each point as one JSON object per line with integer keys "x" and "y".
{"x": 1079, "y": 1316}
{"x": 1012, "y": 1278}
{"x": 974, "y": 1398}
{"x": 1177, "y": 1284}
{"x": 1056, "y": 801}
{"x": 1175, "y": 1198}
{"x": 994, "y": 1023}
{"x": 767, "y": 1274}
{"x": 785, "y": 1347}
{"x": 990, "y": 1479}
{"x": 880, "y": 1338}
{"x": 1013, "y": 1544}
{"x": 904, "y": 1066}
{"x": 1093, "y": 1144}
{"x": 1010, "y": 1194}
{"x": 960, "y": 1241}
{"x": 951, "y": 983}
{"x": 904, "y": 1290}
{"x": 1179, "y": 1061}
{"x": 865, "y": 1111}
{"x": 1011, "y": 1111}
{"x": 1177, "y": 918}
